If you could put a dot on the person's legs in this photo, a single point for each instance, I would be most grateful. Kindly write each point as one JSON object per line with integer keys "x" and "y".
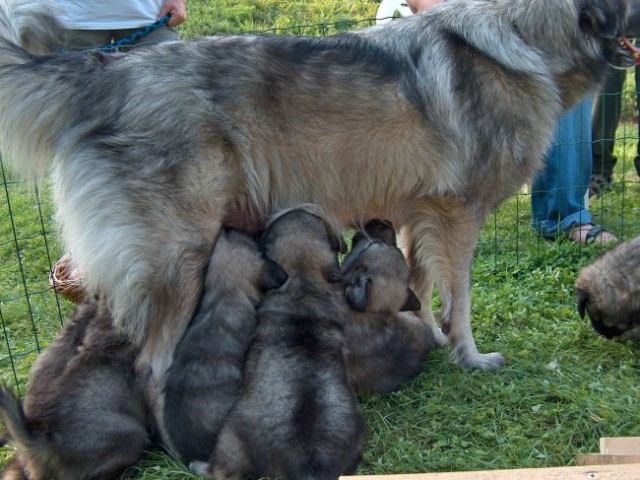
{"x": 557, "y": 199}
{"x": 636, "y": 161}
{"x": 606, "y": 116}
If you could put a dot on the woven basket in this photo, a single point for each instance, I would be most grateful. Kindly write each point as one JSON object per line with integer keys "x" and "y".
{"x": 64, "y": 278}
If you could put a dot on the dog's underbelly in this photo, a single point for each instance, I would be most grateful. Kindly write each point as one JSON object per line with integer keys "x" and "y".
{"x": 347, "y": 215}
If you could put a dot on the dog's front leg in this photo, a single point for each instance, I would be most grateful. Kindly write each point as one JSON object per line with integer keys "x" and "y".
{"x": 443, "y": 236}
{"x": 422, "y": 283}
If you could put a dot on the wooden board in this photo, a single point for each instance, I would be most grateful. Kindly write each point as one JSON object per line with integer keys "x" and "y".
{"x": 620, "y": 445}
{"x": 613, "y": 450}
{"x": 606, "y": 459}
{"x": 595, "y": 472}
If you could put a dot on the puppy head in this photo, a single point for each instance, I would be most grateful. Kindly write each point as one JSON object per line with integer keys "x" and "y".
{"x": 606, "y": 305}
{"x": 375, "y": 274}
{"x": 238, "y": 263}
{"x": 303, "y": 241}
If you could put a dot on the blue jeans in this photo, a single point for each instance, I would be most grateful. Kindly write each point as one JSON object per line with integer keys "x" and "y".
{"x": 557, "y": 198}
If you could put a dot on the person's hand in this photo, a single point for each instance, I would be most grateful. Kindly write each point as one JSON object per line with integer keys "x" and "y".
{"x": 420, "y": 5}
{"x": 177, "y": 9}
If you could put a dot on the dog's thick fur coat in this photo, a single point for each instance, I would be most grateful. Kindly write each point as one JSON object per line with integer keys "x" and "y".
{"x": 430, "y": 121}
{"x": 83, "y": 415}
{"x": 608, "y": 290}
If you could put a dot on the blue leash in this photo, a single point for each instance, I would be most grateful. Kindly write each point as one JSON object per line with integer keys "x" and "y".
{"x": 136, "y": 35}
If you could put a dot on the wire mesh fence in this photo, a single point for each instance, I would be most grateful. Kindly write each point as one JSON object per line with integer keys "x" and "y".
{"x": 31, "y": 313}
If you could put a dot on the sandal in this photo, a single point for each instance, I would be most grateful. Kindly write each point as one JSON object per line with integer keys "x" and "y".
{"x": 590, "y": 233}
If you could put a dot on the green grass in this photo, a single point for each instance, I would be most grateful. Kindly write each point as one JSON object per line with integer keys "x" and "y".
{"x": 563, "y": 386}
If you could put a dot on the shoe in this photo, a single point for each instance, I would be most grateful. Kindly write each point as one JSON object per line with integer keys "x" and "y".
{"x": 590, "y": 233}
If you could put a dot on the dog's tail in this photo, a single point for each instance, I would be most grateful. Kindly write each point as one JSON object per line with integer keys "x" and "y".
{"x": 27, "y": 119}
{"x": 32, "y": 24}
{"x": 30, "y": 443}
{"x": 15, "y": 422}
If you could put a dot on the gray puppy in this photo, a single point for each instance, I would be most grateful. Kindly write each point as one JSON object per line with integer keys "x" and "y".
{"x": 609, "y": 290}
{"x": 387, "y": 345}
{"x": 206, "y": 373}
{"x": 83, "y": 416}
{"x": 297, "y": 416}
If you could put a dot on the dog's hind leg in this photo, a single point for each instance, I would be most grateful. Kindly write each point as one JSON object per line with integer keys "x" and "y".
{"x": 143, "y": 237}
{"x": 443, "y": 238}
{"x": 172, "y": 305}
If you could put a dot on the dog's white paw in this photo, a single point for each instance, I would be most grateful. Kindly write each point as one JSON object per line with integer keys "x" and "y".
{"x": 478, "y": 361}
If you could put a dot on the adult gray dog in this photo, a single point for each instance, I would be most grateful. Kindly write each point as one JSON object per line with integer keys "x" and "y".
{"x": 430, "y": 121}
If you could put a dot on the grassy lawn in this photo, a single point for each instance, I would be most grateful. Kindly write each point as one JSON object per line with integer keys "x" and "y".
{"x": 563, "y": 386}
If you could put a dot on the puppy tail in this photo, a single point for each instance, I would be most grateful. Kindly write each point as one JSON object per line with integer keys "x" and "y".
{"x": 17, "y": 432}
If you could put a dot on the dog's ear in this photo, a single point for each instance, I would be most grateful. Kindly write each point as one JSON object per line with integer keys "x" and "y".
{"x": 273, "y": 275}
{"x": 412, "y": 304}
{"x": 632, "y": 27}
{"x": 338, "y": 244}
{"x": 381, "y": 230}
{"x": 358, "y": 292}
{"x": 602, "y": 19}
{"x": 582, "y": 302}
{"x": 357, "y": 238}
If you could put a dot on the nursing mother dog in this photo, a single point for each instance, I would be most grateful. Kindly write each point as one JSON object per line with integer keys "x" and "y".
{"x": 153, "y": 151}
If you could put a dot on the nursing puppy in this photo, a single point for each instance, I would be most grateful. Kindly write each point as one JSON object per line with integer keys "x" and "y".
{"x": 609, "y": 290}
{"x": 387, "y": 345}
{"x": 264, "y": 122}
{"x": 83, "y": 416}
{"x": 206, "y": 374}
{"x": 297, "y": 416}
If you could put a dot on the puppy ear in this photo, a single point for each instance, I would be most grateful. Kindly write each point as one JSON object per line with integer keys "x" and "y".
{"x": 582, "y": 303}
{"x": 357, "y": 238}
{"x": 381, "y": 230}
{"x": 412, "y": 304}
{"x": 339, "y": 245}
{"x": 273, "y": 275}
{"x": 358, "y": 292}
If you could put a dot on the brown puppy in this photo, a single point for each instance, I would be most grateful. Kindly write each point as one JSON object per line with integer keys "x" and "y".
{"x": 297, "y": 416}
{"x": 609, "y": 290}
{"x": 83, "y": 416}
{"x": 206, "y": 373}
{"x": 387, "y": 345}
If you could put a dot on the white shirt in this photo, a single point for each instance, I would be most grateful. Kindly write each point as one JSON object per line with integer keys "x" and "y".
{"x": 108, "y": 14}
